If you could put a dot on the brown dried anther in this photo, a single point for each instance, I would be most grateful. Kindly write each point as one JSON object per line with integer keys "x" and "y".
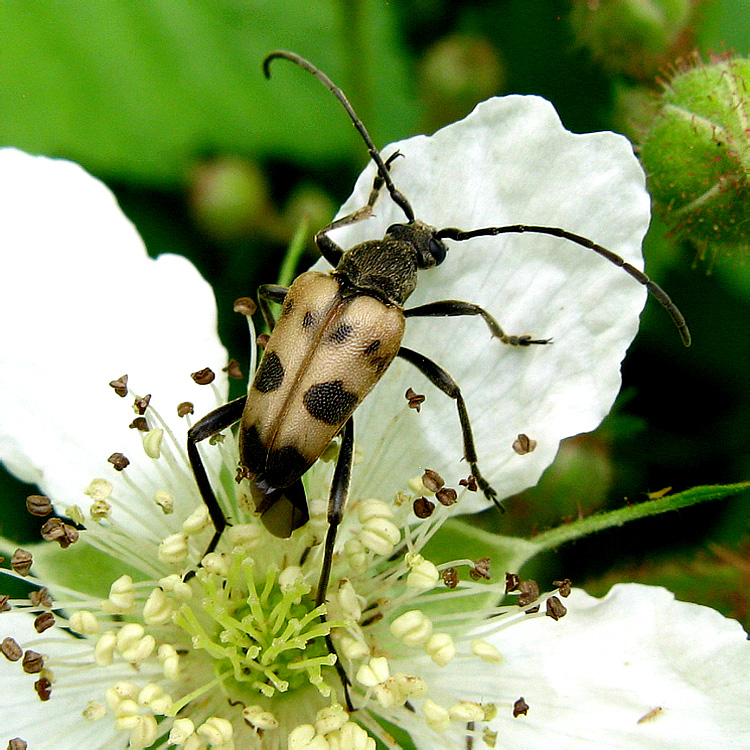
{"x": 38, "y": 505}
{"x": 423, "y": 508}
{"x": 520, "y": 707}
{"x": 40, "y": 598}
{"x": 21, "y": 561}
{"x": 242, "y": 473}
{"x": 139, "y": 423}
{"x": 17, "y": 744}
{"x": 563, "y": 587}
{"x": 204, "y": 376}
{"x": 245, "y": 306}
{"x": 43, "y": 688}
{"x": 523, "y": 444}
{"x": 450, "y": 577}
{"x": 432, "y": 480}
{"x": 56, "y": 530}
{"x": 10, "y": 649}
{"x": 233, "y": 370}
{"x": 141, "y": 404}
{"x": 120, "y": 386}
{"x": 119, "y": 461}
{"x": 555, "y": 608}
{"x": 481, "y": 569}
{"x": 415, "y": 399}
{"x": 44, "y": 621}
{"x": 470, "y": 483}
{"x": 262, "y": 340}
{"x": 217, "y": 438}
{"x": 511, "y": 582}
{"x": 32, "y": 663}
{"x": 185, "y": 408}
{"x": 446, "y": 496}
{"x": 529, "y": 592}
{"x": 4, "y": 603}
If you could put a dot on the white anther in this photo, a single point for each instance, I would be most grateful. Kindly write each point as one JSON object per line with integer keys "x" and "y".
{"x": 99, "y": 489}
{"x": 182, "y": 730}
{"x": 158, "y": 608}
{"x": 349, "y": 600}
{"x": 144, "y": 733}
{"x": 330, "y": 718}
{"x": 389, "y": 695}
{"x": 423, "y": 576}
{"x": 133, "y": 644}
{"x": 303, "y": 737}
{"x": 350, "y": 737}
{"x": 380, "y": 535}
{"x": 165, "y": 501}
{"x": 94, "y": 711}
{"x": 352, "y": 648}
{"x": 153, "y": 696}
{"x": 369, "y": 509}
{"x": 119, "y": 692}
{"x": 292, "y": 576}
{"x": 152, "y": 442}
{"x": 121, "y": 596}
{"x": 170, "y": 661}
{"x": 441, "y": 648}
{"x": 173, "y": 549}
{"x": 75, "y": 514}
{"x": 436, "y": 716}
{"x": 217, "y": 563}
{"x": 104, "y": 651}
{"x": 215, "y": 731}
{"x": 84, "y": 622}
{"x": 486, "y": 651}
{"x": 465, "y": 711}
{"x": 356, "y": 555}
{"x": 260, "y": 718}
{"x": 197, "y": 521}
{"x": 174, "y": 585}
{"x": 411, "y": 686}
{"x": 413, "y": 628}
{"x": 375, "y": 672}
{"x": 100, "y": 510}
{"x": 244, "y": 537}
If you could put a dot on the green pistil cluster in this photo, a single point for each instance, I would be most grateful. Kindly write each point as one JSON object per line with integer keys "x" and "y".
{"x": 265, "y": 637}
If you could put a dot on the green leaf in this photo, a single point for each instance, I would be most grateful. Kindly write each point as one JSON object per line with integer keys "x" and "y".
{"x": 137, "y": 90}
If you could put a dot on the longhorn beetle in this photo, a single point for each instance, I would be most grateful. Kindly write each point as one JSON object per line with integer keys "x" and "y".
{"x": 336, "y": 335}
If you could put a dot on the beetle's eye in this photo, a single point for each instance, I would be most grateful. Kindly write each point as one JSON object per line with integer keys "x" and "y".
{"x": 437, "y": 250}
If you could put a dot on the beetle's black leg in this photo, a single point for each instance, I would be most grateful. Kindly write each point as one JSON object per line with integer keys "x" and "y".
{"x": 328, "y": 248}
{"x": 445, "y": 382}
{"x": 336, "y": 503}
{"x": 270, "y": 293}
{"x": 451, "y": 308}
{"x": 218, "y": 420}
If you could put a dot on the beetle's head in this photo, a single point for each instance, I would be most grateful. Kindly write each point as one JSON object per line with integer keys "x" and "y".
{"x": 429, "y": 248}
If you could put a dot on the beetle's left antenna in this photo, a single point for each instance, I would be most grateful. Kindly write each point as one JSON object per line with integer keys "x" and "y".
{"x": 398, "y": 198}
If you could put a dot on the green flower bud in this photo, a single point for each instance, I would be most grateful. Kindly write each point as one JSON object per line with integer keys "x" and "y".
{"x": 632, "y": 36}
{"x": 697, "y": 155}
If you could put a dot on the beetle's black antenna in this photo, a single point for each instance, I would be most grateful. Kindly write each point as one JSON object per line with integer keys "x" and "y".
{"x": 451, "y": 233}
{"x": 398, "y": 198}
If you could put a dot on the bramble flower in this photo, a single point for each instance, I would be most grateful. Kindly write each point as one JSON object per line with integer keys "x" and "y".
{"x": 132, "y": 638}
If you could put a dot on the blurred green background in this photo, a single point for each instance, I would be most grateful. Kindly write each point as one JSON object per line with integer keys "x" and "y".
{"x": 165, "y": 101}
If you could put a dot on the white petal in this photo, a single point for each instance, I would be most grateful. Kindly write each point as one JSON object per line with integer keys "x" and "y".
{"x": 637, "y": 654}
{"x": 83, "y": 304}
{"x": 509, "y": 162}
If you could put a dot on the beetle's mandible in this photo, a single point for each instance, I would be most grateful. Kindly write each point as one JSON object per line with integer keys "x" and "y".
{"x": 336, "y": 335}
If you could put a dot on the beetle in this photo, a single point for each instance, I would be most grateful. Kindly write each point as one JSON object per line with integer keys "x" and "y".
{"x": 336, "y": 335}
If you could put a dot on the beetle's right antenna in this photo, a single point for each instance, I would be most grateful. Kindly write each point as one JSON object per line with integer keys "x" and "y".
{"x": 398, "y": 198}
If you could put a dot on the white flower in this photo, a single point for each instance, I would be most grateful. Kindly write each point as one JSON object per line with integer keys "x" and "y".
{"x": 235, "y": 656}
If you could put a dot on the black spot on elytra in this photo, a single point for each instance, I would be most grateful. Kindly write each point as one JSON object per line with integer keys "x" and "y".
{"x": 270, "y": 374}
{"x": 252, "y": 450}
{"x": 330, "y": 402}
{"x": 370, "y": 349}
{"x": 340, "y": 334}
{"x": 285, "y": 466}
{"x": 308, "y": 319}
{"x": 380, "y": 364}
{"x": 286, "y": 308}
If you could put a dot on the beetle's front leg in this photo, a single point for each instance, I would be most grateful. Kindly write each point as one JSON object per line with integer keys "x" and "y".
{"x": 445, "y": 382}
{"x": 213, "y": 423}
{"x": 270, "y": 293}
{"x": 328, "y": 248}
{"x": 451, "y": 308}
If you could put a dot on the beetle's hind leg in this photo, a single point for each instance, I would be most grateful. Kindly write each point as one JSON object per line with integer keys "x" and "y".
{"x": 328, "y": 248}
{"x": 452, "y": 308}
{"x": 445, "y": 382}
{"x": 213, "y": 423}
{"x": 336, "y": 504}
